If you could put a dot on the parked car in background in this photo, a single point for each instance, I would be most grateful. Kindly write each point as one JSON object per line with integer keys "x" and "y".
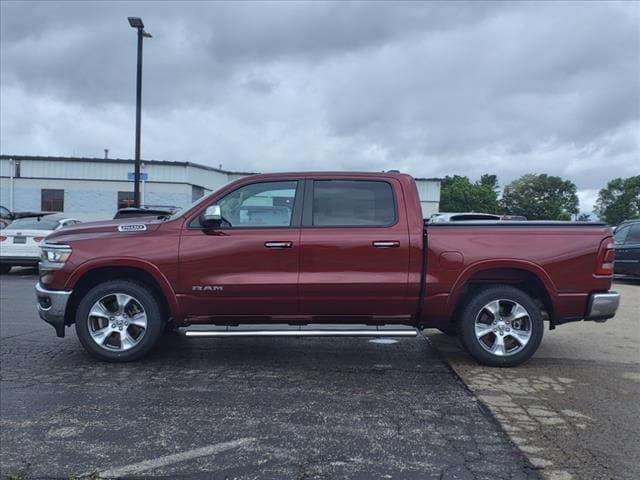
{"x": 462, "y": 217}
{"x": 20, "y": 240}
{"x": 472, "y": 216}
{"x": 627, "y": 245}
{"x": 146, "y": 211}
{"x": 5, "y": 214}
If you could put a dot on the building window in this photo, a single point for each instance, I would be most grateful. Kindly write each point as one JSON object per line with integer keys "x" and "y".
{"x": 52, "y": 200}
{"x": 125, "y": 200}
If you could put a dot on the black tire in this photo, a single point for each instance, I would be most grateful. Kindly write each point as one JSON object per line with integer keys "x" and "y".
{"x": 143, "y": 296}
{"x": 4, "y": 269}
{"x": 450, "y": 330}
{"x": 475, "y": 306}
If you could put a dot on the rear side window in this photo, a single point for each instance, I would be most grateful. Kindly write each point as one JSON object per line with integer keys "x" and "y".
{"x": 353, "y": 203}
{"x": 633, "y": 237}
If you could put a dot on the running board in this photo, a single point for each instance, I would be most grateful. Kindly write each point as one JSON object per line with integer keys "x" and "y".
{"x": 301, "y": 333}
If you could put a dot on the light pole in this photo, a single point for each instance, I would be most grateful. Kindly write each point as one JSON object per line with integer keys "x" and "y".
{"x": 136, "y": 22}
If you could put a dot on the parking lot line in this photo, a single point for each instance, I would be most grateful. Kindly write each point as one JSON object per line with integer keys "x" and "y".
{"x": 146, "y": 465}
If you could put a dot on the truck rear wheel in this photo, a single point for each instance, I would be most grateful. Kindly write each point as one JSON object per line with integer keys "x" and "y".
{"x": 501, "y": 326}
{"x": 119, "y": 321}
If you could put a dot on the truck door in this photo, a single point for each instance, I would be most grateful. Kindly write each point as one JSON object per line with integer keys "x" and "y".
{"x": 355, "y": 249}
{"x": 249, "y": 265}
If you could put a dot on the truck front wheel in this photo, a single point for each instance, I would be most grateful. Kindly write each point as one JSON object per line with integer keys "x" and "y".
{"x": 501, "y": 326}
{"x": 119, "y": 321}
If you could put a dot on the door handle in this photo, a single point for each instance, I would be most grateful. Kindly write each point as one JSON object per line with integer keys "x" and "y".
{"x": 386, "y": 244}
{"x": 278, "y": 244}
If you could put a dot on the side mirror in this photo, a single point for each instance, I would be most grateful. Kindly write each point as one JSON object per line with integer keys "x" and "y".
{"x": 212, "y": 217}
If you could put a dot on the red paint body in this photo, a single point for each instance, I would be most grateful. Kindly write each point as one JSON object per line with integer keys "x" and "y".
{"x": 333, "y": 274}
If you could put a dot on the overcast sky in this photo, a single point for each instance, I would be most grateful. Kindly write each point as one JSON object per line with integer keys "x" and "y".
{"x": 431, "y": 89}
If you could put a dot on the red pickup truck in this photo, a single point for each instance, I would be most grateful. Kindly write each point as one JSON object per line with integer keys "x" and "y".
{"x": 348, "y": 251}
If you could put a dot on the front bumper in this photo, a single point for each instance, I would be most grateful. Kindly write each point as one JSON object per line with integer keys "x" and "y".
{"x": 52, "y": 305}
{"x": 602, "y": 306}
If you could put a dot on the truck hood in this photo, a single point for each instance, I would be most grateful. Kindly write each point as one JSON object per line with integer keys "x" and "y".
{"x": 133, "y": 227}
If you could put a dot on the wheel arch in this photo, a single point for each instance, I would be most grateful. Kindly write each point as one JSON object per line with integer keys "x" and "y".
{"x": 526, "y": 276}
{"x": 93, "y": 273}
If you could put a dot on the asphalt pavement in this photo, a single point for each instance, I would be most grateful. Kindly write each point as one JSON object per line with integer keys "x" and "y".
{"x": 238, "y": 408}
{"x": 574, "y": 408}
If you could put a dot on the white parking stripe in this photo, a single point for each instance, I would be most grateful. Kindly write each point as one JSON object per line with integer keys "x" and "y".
{"x": 146, "y": 465}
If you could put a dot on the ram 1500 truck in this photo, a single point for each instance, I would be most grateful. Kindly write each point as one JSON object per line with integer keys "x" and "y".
{"x": 349, "y": 251}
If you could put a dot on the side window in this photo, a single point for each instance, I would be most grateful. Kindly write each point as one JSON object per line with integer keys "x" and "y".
{"x": 621, "y": 235}
{"x": 259, "y": 205}
{"x": 633, "y": 238}
{"x": 353, "y": 203}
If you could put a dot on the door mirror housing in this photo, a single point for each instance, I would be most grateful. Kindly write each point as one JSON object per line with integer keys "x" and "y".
{"x": 212, "y": 217}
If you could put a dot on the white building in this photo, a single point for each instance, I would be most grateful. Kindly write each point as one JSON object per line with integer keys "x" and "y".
{"x": 94, "y": 188}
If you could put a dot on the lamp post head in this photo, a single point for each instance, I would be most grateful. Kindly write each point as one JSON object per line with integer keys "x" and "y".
{"x": 136, "y": 22}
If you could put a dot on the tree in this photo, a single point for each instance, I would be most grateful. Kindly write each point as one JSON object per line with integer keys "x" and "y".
{"x": 540, "y": 197}
{"x": 458, "y": 194}
{"x": 619, "y": 201}
{"x": 489, "y": 180}
{"x": 583, "y": 217}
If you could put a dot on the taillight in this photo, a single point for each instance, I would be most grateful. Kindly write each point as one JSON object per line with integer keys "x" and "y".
{"x": 606, "y": 256}
{"x": 38, "y": 239}
{"x": 2, "y": 238}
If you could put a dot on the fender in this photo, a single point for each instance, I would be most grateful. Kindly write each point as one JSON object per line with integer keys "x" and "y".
{"x": 132, "y": 262}
{"x": 526, "y": 265}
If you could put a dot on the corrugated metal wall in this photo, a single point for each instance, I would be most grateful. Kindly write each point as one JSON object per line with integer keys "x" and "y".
{"x": 168, "y": 184}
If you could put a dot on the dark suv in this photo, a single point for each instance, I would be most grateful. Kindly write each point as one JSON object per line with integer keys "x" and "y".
{"x": 627, "y": 236}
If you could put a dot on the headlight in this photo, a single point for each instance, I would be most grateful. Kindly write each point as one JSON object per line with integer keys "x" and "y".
{"x": 54, "y": 256}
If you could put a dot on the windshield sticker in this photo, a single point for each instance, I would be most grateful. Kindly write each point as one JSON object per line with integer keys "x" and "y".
{"x": 136, "y": 227}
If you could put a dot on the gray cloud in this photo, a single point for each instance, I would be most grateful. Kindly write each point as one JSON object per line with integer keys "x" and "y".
{"x": 430, "y": 88}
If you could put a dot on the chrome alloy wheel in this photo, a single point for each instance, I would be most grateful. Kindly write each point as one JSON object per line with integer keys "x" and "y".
{"x": 503, "y": 327}
{"x": 117, "y": 322}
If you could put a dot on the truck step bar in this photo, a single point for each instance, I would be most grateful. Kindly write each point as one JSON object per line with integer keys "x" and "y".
{"x": 300, "y": 332}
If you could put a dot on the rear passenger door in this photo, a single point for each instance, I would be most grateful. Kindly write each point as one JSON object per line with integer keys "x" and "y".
{"x": 354, "y": 249}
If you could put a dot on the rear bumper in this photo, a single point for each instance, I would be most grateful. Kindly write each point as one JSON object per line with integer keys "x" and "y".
{"x": 19, "y": 261}
{"x": 602, "y": 306}
{"x": 52, "y": 305}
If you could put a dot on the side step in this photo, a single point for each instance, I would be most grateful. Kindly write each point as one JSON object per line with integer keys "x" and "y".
{"x": 302, "y": 332}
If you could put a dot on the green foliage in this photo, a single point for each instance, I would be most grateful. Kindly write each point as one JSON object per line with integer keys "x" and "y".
{"x": 489, "y": 180}
{"x": 540, "y": 197}
{"x": 619, "y": 200}
{"x": 458, "y": 194}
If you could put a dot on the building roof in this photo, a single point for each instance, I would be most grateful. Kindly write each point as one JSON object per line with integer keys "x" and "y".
{"x": 119, "y": 160}
{"x": 156, "y": 162}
